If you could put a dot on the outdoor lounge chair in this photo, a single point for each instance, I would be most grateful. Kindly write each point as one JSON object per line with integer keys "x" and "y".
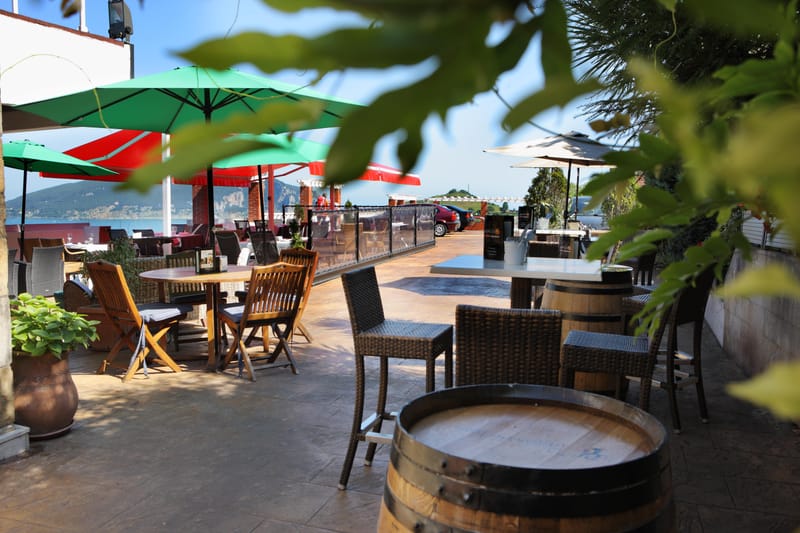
{"x": 273, "y": 297}
{"x": 374, "y": 335}
{"x": 139, "y": 328}
{"x": 507, "y": 345}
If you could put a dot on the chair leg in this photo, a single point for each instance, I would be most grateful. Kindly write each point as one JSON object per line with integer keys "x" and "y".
{"x": 430, "y": 373}
{"x": 698, "y": 372}
{"x": 669, "y": 364}
{"x": 358, "y": 413}
{"x": 380, "y": 409}
{"x": 448, "y": 367}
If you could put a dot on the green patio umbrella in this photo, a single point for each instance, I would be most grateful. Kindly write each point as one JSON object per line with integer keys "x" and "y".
{"x": 282, "y": 150}
{"x": 29, "y": 156}
{"x": 167, "y": 101}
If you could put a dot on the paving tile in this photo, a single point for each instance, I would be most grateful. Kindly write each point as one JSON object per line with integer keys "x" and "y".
{"x": 756, "y": 495}
{"x": 735, "y": 521}
{"x": 349, "y": 511}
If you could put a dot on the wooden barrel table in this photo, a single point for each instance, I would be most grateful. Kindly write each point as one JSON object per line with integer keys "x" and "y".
{"x": 591, "y": 306}
{"x": 497, "y": 458}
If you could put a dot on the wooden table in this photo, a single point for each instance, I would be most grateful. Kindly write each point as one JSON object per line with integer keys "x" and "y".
{"x": 211, "y": 282}
{"x": 522, "y": 274}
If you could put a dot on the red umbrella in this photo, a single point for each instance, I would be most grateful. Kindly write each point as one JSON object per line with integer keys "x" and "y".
{"x": 375, "y": 172}
{"x": 126, "y": 150}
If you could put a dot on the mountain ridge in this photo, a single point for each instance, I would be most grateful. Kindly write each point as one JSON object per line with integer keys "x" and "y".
{"x": 97, "y": 200}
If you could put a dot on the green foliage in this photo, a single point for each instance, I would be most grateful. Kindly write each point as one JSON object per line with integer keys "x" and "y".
{"x": 547, "y": 190}
{"x": 775, "y": 389}
{"x": 39, "y": 326}
{"x": 450, "y": 37}
{"x": 297, "y": 238}
{"x": 120, "y": 252}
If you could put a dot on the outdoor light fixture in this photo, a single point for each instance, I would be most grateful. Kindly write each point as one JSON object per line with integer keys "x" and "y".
{"x": 120, "y": 24}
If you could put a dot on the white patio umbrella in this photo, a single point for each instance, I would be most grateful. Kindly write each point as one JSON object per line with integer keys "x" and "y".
{"x": 558, "y": 151}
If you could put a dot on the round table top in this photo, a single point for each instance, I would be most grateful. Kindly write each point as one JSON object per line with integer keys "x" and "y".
{"x": 188, "y": 275}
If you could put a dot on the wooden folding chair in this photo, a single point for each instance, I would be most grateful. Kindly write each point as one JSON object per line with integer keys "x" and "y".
{"x": 139, "y": 328}
{"x": 309, "y": 259}
{"x": 273, "y": 297}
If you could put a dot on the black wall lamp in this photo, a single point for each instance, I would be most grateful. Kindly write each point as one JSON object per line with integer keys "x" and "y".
{"x": 120, "y": 23}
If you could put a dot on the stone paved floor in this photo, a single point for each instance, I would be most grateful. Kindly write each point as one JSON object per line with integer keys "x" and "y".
{"x": 208, "y": 452}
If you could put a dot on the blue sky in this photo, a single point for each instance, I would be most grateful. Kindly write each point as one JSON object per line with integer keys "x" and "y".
{"x": 453, "y": 156}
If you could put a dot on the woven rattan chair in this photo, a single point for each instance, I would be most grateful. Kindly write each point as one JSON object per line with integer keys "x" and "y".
{"x": 507, "y": 345}
{"x": 140, "y": 328}
{"x": 13, "y": 273}
{"x": 623, "y": 355}
{"x": 265, "y": 247}
{"x": 682, "y": 369}
{"x": 44, "y": 275}
{"x": 374, "y": 335}
{"x": 229, "y": 246}
{"x": 273, "y": 297}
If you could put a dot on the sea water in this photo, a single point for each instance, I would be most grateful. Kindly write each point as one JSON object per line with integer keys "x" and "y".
{"x": 128, "y": 224}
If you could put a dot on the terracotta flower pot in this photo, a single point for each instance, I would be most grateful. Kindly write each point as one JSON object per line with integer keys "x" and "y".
{"x": 45, "y": 397}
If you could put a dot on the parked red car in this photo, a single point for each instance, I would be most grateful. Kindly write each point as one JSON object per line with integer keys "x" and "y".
{"x": 445, "y": 220}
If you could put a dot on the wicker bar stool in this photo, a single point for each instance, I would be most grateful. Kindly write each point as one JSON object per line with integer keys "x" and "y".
{"x": 676, "y": 369}
{"x": 374, "y": 335}
{"x": 624, "y": 355}
{"x": 507, "y": 345}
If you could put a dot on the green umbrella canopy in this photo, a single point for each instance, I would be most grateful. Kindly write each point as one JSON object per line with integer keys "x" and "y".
{"x": 168, "y": 101}
{"x": 279, "y": 149}
{"x": 29, "y": 156}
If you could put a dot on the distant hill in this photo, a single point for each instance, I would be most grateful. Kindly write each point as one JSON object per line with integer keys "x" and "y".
{"x": 96, "y": 200}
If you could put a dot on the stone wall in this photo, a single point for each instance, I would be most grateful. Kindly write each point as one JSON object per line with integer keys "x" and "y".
{"x": 757, "y": 331}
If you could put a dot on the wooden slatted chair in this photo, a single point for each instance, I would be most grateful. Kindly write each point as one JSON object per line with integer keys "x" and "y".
{"x": 309, "y": 259}
{"x": 507, "y": 345}
{"x": 273, "y": 297}
{"x": 140, "y": 328}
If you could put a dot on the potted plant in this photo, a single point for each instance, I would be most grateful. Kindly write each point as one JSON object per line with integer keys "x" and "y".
{"x": 297, "y": 237}
{"x": 42, "y": 336}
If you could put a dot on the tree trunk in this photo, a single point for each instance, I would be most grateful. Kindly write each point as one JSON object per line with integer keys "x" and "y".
{"x": 6, "y": 377}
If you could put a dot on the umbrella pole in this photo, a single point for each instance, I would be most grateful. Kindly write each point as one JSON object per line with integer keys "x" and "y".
{"x": 271, "y": 196}
{"x": 566, "y": 204}
{"x": 22, "y": 215}
{"x": 577, "y": 190}
{"x": 261, "y": 193}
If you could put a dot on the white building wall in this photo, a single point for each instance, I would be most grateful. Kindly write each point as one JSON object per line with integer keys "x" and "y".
{"x": 39, "y": 60}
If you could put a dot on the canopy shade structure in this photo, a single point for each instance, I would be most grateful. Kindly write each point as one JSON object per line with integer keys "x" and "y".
{"x": 29, "y": 156}
{"x": 375, "y": 172}
{"x": 167, "y": 101}
{"x": 558, "y": 151}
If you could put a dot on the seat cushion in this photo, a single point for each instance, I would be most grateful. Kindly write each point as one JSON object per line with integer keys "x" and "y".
{"x": 233, "y": 312}
{"x": 160, "y": 312}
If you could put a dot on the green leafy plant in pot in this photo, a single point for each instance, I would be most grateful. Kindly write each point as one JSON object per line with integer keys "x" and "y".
{"x": 42, "y": 337}
{"x": 297, "y": 238}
